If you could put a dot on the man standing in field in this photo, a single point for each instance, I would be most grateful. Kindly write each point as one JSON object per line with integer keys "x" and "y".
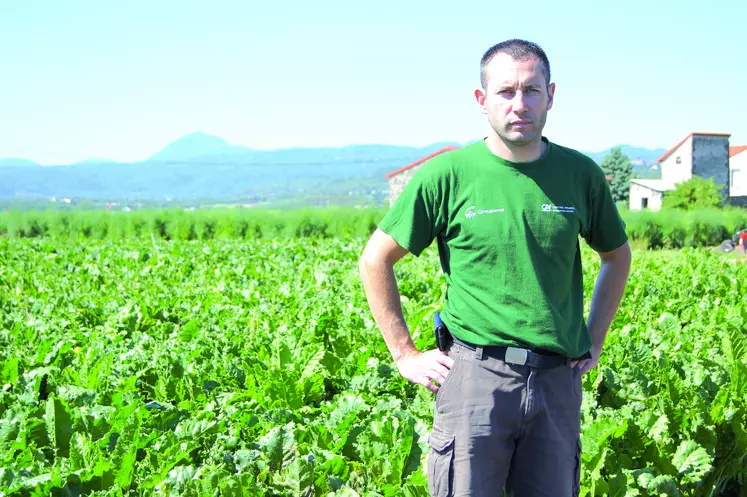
{"x": 507, "y": 212}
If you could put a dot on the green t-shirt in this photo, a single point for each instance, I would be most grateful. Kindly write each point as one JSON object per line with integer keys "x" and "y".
{"x": 508, "y": 240}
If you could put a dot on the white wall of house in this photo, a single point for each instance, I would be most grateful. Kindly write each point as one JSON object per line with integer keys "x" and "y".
{"x": 642, "y": 197}
{"x": 678, "y": 167}
{"x": 738, "y": 175}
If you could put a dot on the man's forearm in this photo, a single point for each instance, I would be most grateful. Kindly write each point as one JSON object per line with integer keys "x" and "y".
{"x": 608, "y": 291}
{"x": 384, "y": 300}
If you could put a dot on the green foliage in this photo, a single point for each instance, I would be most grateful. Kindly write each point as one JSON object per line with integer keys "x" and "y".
{"x": 253, "y": 367}
{"x": 669, "y": 228}
{"x": 178, "y": 224}
{"x": 617, "y": 166}
{"x": 675, "y": 228}
{"x": 664, "y": 413}
{"x": 695, "y": 193}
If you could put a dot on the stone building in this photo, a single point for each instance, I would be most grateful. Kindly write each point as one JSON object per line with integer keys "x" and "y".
{"x": 738, "y": 171}
{"x": 699, "y": 154}
{"x": 399, "y": 178}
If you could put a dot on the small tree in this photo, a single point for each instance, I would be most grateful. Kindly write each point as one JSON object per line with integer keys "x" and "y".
{"x": 695, "y": 193}
{"x": 616, "y": 165}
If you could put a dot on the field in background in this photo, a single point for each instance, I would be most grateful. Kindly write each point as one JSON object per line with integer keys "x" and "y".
{"x": 203, "y": 224}
{"x": 253, "y": 368}
{"x": 653, "y": 230}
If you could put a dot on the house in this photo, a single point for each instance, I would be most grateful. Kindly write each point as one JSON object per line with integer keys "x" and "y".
{"x": 738, "y": 172}
{"x": 707, "y": 155}
{"x": 398, "y": 179}
{"x": 648, "y": 193}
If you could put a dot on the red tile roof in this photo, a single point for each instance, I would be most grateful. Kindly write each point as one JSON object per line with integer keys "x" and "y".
{"x": 671, "y": 150}
{"x": 420, "y": 161}
{"x": 736, "y": 150}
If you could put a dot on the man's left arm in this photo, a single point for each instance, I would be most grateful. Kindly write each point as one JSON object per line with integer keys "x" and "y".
{"x": 605, "y": 300}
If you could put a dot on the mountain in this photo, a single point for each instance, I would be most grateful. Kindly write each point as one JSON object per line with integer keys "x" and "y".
{"x": 97, "y": 161}
{"x": 196, "y": 146}
{"x": 202, "y": 166}
{"x": 12, "y": 162}
{"x": 645, "y": 155}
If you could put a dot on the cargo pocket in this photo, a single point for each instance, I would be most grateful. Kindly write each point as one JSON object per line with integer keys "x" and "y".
{"x": 577, "y": 471}
{"x": 441, "y": 463}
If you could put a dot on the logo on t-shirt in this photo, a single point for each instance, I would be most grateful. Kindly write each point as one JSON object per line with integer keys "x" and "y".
{"x": 557, "y": 208}
{"x": 471, "y": 212}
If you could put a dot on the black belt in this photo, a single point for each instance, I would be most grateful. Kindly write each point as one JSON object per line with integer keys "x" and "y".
{"x": 519, "y": 356}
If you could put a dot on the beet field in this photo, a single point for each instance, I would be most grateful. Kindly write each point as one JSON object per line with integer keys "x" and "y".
{"x": 240, "y": 367}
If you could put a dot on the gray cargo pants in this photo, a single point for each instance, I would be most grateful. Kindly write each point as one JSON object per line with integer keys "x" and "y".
{"x": 499, "y": 425}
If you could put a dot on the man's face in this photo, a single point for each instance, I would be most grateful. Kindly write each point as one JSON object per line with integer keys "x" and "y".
{"x": 516, "y": 99}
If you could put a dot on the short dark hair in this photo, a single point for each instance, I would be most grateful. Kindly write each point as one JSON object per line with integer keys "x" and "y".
{"x": 517, "y": 50}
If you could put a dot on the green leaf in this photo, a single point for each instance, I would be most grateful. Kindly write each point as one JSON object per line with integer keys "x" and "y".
{"x": 285, "y": 357}
{"x": 692, "y": 462}
{"x": 660, "y": 430}
{"x": 10, "y": 371}
{"x": 347, "y": 410}
{"x": 59, "y": 424}
{"x": 189, "y": 331}
{"x": 665, "y": 485}
{"x": 82, "y": 452}
{"x": 279, "y": 446}
{"x": 297, "y": 478}
{"x": 618, "y": 485}
{"x": 193, "y": 428}
{"x": 126, "y": 469}
{"x": 645, "y": 479}
{"x": 211, "y": 480}
{"x": 6, "y": 477}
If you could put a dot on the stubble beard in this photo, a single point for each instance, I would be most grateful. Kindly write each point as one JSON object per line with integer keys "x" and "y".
{"x": 529, "y": 137}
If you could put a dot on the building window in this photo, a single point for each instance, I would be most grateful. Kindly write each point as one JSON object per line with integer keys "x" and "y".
{"x": 644, "y": 203}
{"x": 678, "y": 160}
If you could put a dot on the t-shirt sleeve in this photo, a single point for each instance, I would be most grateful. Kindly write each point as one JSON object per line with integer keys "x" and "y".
{"x": 418, "y": 215}
{"x": 605, "y": 227}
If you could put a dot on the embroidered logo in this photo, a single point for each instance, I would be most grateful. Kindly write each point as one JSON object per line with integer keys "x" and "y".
{"x": 471, "y": 212}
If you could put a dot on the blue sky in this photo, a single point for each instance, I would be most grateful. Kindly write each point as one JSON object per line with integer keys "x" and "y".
{"x": 119, "y": 80}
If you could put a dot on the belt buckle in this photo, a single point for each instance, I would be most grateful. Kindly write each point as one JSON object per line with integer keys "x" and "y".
{"x": 516, "y": 356}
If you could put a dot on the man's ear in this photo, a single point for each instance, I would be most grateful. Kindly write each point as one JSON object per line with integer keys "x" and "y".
{"x": 480, "y": 98}
{"x": 550, "y": 95}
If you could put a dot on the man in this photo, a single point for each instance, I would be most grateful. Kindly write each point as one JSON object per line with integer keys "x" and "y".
{"x": 507, "y": 212}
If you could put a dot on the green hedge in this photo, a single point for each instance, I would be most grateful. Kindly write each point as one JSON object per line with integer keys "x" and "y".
{"x": 176, "y": 224}
{"x": 664, "y": 229}
{"x": 678, "y": 229}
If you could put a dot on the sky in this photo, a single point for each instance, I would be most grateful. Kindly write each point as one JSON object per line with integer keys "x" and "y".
{"x": 99, "y": 79}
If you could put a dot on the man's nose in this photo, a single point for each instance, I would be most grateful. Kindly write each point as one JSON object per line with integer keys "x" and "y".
{"x": 520, "y": 102}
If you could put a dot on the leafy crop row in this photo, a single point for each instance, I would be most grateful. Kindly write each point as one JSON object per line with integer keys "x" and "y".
{"x": 179, "y": 224}
{"x": 665, "y": 229}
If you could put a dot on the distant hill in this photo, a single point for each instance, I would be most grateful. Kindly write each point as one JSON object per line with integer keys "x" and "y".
{"x": 12, "y": 162}
{"x": 200, "y": 166}
{"x": 97, "y": 161}
{"x": 645, "y": 155}
{"x": 197, "y": 146}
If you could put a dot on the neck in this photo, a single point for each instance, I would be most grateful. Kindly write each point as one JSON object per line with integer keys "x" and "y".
{"x": 528, "y": 152}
